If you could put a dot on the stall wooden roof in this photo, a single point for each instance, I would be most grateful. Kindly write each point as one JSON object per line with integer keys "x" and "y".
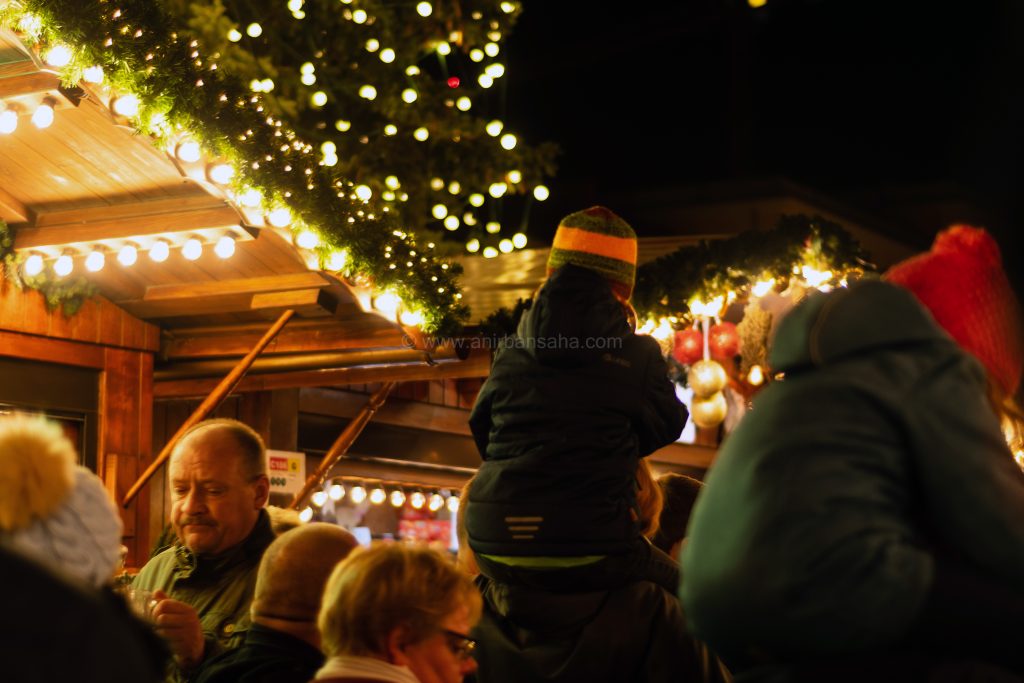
{"x": 88, "y": 180}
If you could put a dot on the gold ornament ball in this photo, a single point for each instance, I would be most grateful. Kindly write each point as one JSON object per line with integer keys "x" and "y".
{"x": 709, "y": 412}
{"x": 706, "y": 377}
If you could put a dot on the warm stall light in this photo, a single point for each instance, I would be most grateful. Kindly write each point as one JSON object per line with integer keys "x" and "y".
{"x": 397, "y": 498}
{"x": 126, "y": 105}
{"x": 128, "y": 255}
{"x": 225, "y": 247}
{"x": 409, "y": 95}
{"x": 368, "y": 92}
{"x": 417, "y": 499}
{"x": 473, "y": 246}
{"x": 306, "y": 515}
{"x": 496, "y": 190}
{"x": 490, "y": 252}
{"x": 8, "y": 122}
{"x": 357, "y": 495}
{"x": 378, "y": 496}
{"x": 505, "y": 246}
{"x": 519, "y": 240}
{"x": 192, "y": 249}
{"x": 508, "y": 141}
{"x": 387, "y": 55}
{"x": 319, "y": 98}
{"x": 363, "y": 192}
{"x": 493, "y": 227}
{"x": 42, "y": 117}
{"x": 58, "y": 56}
{"x": 762, "y": 287}
{"x": 495, "y": 70}
{"x": 336, "y": 492}
{"x": 439, "y": 211}
{"x": 280, "y": 218}
{"x": 463, "y": 104}
{"x": 254, "y": 30}
{"x": 421, "y": 134}
{"x": 319, "y": 498}
{"x": 95, "y": 261}
{"x": 189, "y": 151}
{"x": 250, "y": 198}
{"x": 337, "y": 260}
{"x": 424, "y": 9}
{"x": 514, "y": 176}
{"x": 387, "y": 303}
{"x": 33, "y": 265}
{"x": 411, "y": 318}
{"x": 491, "y": 49}
{"x": 93, "y": 74}
{"x": 436, "y": 502}
{"x": 160, "y": 251}
{"x": 220, "y": 173}
{"x": 453, "y": 504}
{"x": 451, "y": 223}
{"x": 494, "y": 128}
{"x": 485, "y": 81}
{"x": 307, "y": 239}
{"x": 756, "y": 376}
{"x": 476, "y": 199}
{"x": 64, "y": 265}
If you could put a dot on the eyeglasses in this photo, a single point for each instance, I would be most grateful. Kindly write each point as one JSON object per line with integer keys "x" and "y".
{"x": 461, "y": 645}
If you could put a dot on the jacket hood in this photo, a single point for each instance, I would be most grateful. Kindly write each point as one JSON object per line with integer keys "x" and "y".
{"x": 825, "y": 328}
{"x": 574, "y": 307}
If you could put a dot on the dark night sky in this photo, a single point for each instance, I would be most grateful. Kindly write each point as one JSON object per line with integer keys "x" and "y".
{"x": 855, "y": 98}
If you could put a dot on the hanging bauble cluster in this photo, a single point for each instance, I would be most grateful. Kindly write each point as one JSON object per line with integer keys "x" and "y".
{"x": 701, "y": 349}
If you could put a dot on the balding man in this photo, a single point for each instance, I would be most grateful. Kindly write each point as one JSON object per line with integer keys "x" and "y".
{"x": 203, "y": 585}
{"x": 283, "y": 643}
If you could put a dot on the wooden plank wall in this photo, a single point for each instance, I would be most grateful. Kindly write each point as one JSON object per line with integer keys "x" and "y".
{"x": 103, "y": 337}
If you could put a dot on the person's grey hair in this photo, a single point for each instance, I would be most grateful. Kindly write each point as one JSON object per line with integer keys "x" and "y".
{"x": 250, "y": 443}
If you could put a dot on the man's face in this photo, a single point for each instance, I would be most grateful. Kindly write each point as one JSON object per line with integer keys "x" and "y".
{"x": 441, "y": 658}
{"x": 214, "y": 505}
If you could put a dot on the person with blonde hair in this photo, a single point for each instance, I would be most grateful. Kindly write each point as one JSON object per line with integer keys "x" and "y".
{"x": 397, "y": 613}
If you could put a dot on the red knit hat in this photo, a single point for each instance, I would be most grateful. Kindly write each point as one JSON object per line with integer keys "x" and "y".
{"x": 962, "y": 282}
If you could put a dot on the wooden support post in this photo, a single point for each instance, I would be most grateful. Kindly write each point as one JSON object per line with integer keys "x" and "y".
{"x": 209, "y": 404}
{"x": 343, "y": 442}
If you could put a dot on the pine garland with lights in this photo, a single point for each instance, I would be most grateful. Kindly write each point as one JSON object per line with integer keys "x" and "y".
{"x": 713, "y": 268}
{"x": 182, "y": 92}
{"x": 68, "y": 294}
{"x": 369, "y": 82}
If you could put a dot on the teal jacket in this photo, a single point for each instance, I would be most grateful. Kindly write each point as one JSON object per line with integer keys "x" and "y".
{"x": 814, "y": 532}
{"x": 219, "y": 588}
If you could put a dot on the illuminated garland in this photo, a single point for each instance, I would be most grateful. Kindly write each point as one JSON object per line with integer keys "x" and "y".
{"x": 67, "y": 293}
{"x": 182, "y": 93}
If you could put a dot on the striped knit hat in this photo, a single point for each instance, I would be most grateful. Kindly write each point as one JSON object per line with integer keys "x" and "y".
{"x": 598, "y": 240}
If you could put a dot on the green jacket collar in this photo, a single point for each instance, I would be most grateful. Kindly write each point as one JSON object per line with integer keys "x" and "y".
{"x": 248, "y": 550}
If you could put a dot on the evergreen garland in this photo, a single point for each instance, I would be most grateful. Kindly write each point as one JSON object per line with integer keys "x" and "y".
{"x": 66, "y": 293}
{"x": 182, "y": 91}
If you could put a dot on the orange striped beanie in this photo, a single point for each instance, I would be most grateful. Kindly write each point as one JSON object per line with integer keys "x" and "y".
{"x": 598, "y": 240}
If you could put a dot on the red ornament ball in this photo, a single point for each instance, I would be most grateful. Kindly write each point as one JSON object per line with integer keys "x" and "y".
{"x": 689, "y": 346}
{"x": 453, "y": 82}
{"x": 723, "y": 341}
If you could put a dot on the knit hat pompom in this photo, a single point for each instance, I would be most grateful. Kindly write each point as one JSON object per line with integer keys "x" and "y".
{"x": 37, "y": 469}
{"x": 598, "y": 240}
{"x": 962, "y": 283}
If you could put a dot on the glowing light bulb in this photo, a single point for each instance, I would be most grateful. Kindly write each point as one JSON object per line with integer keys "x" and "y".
{"x": 372, "y": 45}
{"x": 329, "y": 148}
{"x": 58, "y": 56}
{"x": 160, "y": 251}
{"x": 126, "y": 105}
{"x": 192, "y": 249}
{"x": 307, "y": 68}
{"x": 397, "y": 498}
{"x": 417, "y": 499}
{"x": 409, "y": 96}
{"x": 8, "y": 122}
{"x": 756, "y": 376}
{"x": 411, "y": 318}
{"x": 280, "y": 218}
{"x": 444, "y": 49}
{"x": 453, "y": 504}
{"x": 93, "y": 74}
{"x": 757, "y": 4}
{"x": 435, "y": 502}
{"x": 337, "y": 260}
{"x": 64, "y": 265}
{"x": 306, "y": 515}
{"x": 342, "y": 125}
{"x": 336, "y": 492}
{"x": 254, "y": 30}
{"x": 439, "y": 211}
{"x": 364, "y": 192}
{"x": 497, "y": 189}
{"x": 519, "y": 240}
{"x": 128, "y": 255}
{"x": 508, "y": 141}
{"x": 357, "y": 494}
{"x": 436, "y": 184}
{"x": 463, "y": 104}
{"x": 494, "y": 128}
{"x": 387, "y": 55}
{"x": 95, "y": 261}
{"x": 473, "y": 246}
{"x": 387, "y": 303}
{"x": 368, "y": 92}
{"x": 33, "y": 265}
{"x": 454, "y": 187}
{"x": 392, "y": 182}
{"x": 319, "y": 498}
{"x": 762, "y": 287}
{"x": 485, "y": 81}
{"x": 492, "y": 49}
{"x": 378, "y": 496}
{"x": 221, "y": 173}
{"x": 267, "y": 84}
{"x": 225, "y": 247}
{"x": 307, "y": 239}
{"x": 490, "y": 252}
{"x": 540, "y": 193}
{"x": 189, "y": 151}
{"x": 505, "y": 246}
{"x": 514, "y": 177}
{"x": 814, "y": 277}
{"x": 424, "y": 9}
{"x": 234, "y": 35}
{"x": 43, "y": 116}
{"x": 451, "y": 223}
{"x": 476, "y": 54}
{"x": 476, "y": 199}
{"x": 319, "y": 98}
{"x": 421, "y": 134}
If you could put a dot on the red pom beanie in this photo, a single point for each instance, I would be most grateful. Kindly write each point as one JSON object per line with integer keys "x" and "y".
{"x": 962, "y": 282}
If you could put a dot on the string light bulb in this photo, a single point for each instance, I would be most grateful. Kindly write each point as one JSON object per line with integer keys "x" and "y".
{"x": 188, "y": 151}
{"x": 42, "y": 117}
{"x": 337, "y": 260}
{"x": 436, "y": 502}
{"x": 307, "y": 239}
{"x": 280, "y": 217}
{"x": 160, "y": 250}
{"x": 254, "y": 30}
{"x": 387, "y": 55}
{"x": 473, "y": 246}
{"x": 367, "y": 92}
{"x": 95, "y": 261}
{"x": 225, "y": 247}
{"x": 234, "y": 35}
{"x": 128, "y": 255}
{"x": 491, "y": 49}
{"x": 505, "y": 246}
{"x": 496, "y": 190}
{"x": 424, "y": 9}
{"x": 378, "y": 496}
{"x": 439, "y": 211}
{"x": 33, "y": 265}
{"x": 387, "y": 303}
{"x": 363, "y": 192}
{"x": 490, "y": 252}
{"x": 476, "y": 54}
{"x": 508, "y": 141}
{"x": 421, "y": 134}
{"x": 319, "y": 98}
{"x": 63, "y": 265}
{"x": 360, "y": 16}
{"x": 451, "y": 223}
{"x": 444, "y": 48}
{"x": 93, "y": 74}
{"x": 357, "y": 494}
{"x": 519, "y": 240}
{"x": 319, "y": 498}
{"x": 58, "y": 56}
{"x": 192, "y": 249}
{"x": 126, "y": 106}
{"x": 453, "y": 504}
{"x": 485, "y": 81}
{"x": 220, "y": 173}
{"x": 409, "y": 95}
{"x": 495, "y": 70}
{"x": 463, "y": 104}
{"x": 494, "y": 128}
{"x": 8, "y": 122}
{"x": 476, "y": 199}
{"x": 541, "y": 192}
{"x": 417, "y": 499}
{"x": 397, "y": 498}
{"x": 336, "y": 492}
{"x": 306, "y": 515}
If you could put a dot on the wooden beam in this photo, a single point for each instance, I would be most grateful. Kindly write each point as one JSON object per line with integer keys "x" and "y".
{"x": 477, "y": 365}
{"x": 301, "y": 336}
{"x": 28, "y": 83}
{"x": 398, "y": 412}
{"x": 251, "y": 285}
{"x": 304, "y": 301}
{"x": 13, "y": 210}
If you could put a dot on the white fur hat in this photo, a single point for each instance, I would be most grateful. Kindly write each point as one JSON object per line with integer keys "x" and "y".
{"x": 52, "y": 510}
